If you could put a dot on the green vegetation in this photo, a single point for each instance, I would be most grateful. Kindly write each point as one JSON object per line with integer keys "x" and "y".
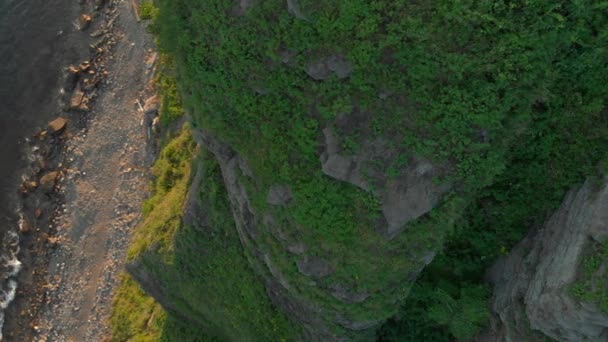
{"x": 591, "y": 285}
{"x": 510, "y": 94}
{"x": 207, "y": 272}
{"x": 147, "y": 10}
{"x": 135, "y": 315}
{"x": 171, "y": 104}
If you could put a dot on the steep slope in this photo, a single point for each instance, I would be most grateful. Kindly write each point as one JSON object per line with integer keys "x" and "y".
{"x": 351, "y": 135}
{"x": 533, "y": 285}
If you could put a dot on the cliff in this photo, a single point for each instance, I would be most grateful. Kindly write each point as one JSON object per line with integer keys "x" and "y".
{"x": 340, "y": 143}
{"x": 534, "y": 286}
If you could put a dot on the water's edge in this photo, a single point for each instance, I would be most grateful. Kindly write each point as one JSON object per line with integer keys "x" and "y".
{"x": 39, "y": 39}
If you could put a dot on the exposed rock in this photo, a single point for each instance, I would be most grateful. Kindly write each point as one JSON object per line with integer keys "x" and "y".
{"x": 47, "y": 182}
{"x": 52, "y": 240}
{"x": 194, "y": 214}
{"x": 280, "y": 254}
{"x": 58, "y": 125}
{"x": 84, "y": 21}
{"x": 294, "y": 8}
{"x": 30, "y": 185}
{"x": 306, "y": 313}
{"x": 325, "y": 67}
{"x": 241, "y": 7}
{"x": 297, "y": 248}
{"x": 409, "y": 195}
{"x": 151, "y": 60}
{"x": 25, "y": 226}
{"x": 357, "y": 325}
{"x": 346, "y": 295}
{"x": 152, "y": 105}
{"x": 77, "y": 101}
{"x": 532, "y": 284}
{"x": 287, "y": 56}
{"x": 315, "y": 267}
{"x": 279, "y": 195}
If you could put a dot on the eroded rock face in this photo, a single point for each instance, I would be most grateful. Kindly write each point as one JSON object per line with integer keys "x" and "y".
{"x": 532, "y": 284}
{"x": 279, "y": 290}
{"x": 408, "y": 195}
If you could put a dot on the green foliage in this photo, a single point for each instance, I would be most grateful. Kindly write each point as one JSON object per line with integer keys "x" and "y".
{"x": 171, "y": 106}
{"x": 463, "y": 316}
{"x": 591, "y": 283}
{"x": 148, "y": 11}
{"x": 208, "y": 273}
{"x": 510, "y": 95}
{"x": 162, "y": 211}
{"x": 210, "y": 277}
{"x": 135, "y": 316}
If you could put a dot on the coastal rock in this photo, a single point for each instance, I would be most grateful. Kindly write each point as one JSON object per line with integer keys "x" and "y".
{"x": 25, "y": 226}
{"x": 30, "y": 185}
{"x": 325, "y": 67}
{"x": 532, "y": 284}
{"x": 77, "y": 100}
{"x": 58, "y": 125}
{"x": 279, "y": 195}
{"x": 84, "y": 22}
{"x": 47, "y": 182}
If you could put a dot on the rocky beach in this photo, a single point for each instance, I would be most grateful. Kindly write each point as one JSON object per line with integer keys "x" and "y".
{"x": 84, "y": 179}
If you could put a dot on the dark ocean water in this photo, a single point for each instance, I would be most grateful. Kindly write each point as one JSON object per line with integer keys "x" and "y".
{"x": 37, "y": 41}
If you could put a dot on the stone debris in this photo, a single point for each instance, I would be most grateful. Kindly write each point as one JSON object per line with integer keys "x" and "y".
{"x": 84, "y": 22}
{"x": 58, "y": 125}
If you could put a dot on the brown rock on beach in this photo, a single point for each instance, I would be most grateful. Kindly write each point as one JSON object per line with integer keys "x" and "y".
{"x": 84, "y": 21}
{"x": 47, "y": 182}
{"x": 58, "y": 125}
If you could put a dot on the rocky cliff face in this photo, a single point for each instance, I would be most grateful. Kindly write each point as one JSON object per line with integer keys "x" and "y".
{"x": 533, "y": 284}
{"x": 302, "y": 282}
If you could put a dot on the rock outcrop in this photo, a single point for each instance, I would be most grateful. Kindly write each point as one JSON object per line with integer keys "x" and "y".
{"x": 532, "y": 285}
{"x": 307, "y": 286}
{"x": 411, "y": 192}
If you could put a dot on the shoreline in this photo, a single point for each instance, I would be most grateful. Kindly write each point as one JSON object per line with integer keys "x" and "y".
{"x": 51, "y": 229}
